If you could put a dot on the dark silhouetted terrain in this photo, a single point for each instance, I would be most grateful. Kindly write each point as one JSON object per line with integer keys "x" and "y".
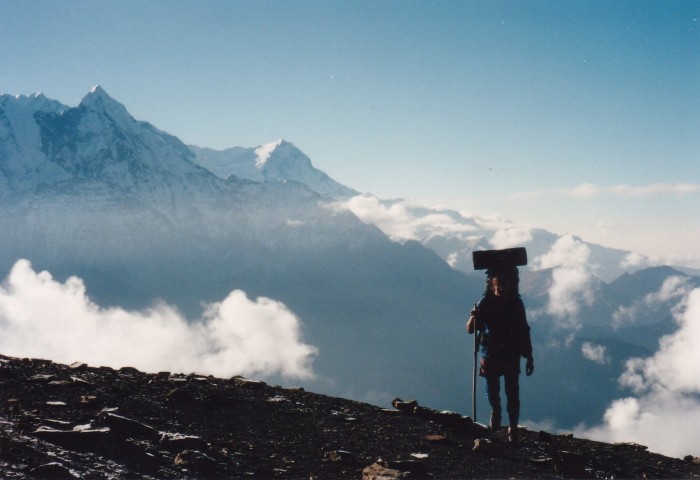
{"x": 77, "y": 421}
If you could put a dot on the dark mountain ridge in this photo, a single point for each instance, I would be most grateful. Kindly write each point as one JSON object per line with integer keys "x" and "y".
{"x": 77, "y": 421}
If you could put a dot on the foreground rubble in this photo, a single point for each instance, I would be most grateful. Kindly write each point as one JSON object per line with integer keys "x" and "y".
{"x": 75, "y": 421}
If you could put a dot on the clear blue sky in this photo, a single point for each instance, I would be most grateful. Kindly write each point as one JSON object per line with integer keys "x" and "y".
{"x": 498, "y": 107}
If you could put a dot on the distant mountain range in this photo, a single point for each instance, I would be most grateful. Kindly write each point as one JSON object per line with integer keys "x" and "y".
{"x": 278, "y": 161}
{"x": 140, "y": 217}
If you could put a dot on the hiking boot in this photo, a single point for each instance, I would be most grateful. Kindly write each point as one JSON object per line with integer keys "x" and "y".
{"x": 495, "y": 422}
{"x": 513, "y": 435}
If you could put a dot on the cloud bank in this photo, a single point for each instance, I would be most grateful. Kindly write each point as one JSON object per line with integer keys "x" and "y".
{"x": 394, "y": 220}
{"x": 673, "y": 288}
{"x": 573, "y": 283}
{"x": 590, "y": 190}
{"x": 400, "y": 222}
{"x": 587, "y": 190}
{"x": 665, "y": 410}
{"x": 41, "y": 317}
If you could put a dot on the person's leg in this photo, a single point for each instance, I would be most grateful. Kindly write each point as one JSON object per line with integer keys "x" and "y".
{"x": 512, "y": 389}
{"x": 493, "y": 394}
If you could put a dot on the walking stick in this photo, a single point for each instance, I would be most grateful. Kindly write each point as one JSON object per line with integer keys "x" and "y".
{"x": 476, "y": 355}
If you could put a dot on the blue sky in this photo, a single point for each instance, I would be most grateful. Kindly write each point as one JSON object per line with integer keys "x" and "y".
{"x": 574, "y": 116}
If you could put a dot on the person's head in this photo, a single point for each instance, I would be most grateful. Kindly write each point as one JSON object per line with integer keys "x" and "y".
{"x": 503, "y": 283}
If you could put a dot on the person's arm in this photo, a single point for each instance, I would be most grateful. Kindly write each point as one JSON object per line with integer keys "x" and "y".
{"x": 470, "y": 323}
{"x": 474, "y": 322}
{"x": 529, "y": 366}
{"x": 526, "y": 348}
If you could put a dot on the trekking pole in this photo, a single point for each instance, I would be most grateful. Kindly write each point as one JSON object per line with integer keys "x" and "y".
{"x": 476, "y": 354}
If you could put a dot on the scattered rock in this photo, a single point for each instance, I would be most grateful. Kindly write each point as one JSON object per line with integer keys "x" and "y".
{"x": 229, "y": 429}
{"x": 631, "y": 445}
{"x": 436, "y": 439}
{"x": 277, "y": 399}
{"x": 408, "y": 467}
{"x": 571, "y": 464}
{"x": 81, "y": 439}
{"x": 53, "y": 470}
{"x": 87, "y": 400}
{"x": 177, "y": 442}
{"x": 410, "y": 406}
{"x": 446, "y": 418}
{"x": 12, "y": 404}
{"x": 129, "y": 370}
{"x": 341, "y": 456}
{"x": 197, "y": 461}
{"x": 388, "y": 470}
{"x": 128, "y": 427}
{"x": 60, "y": 383}
{"x": 79, "y": 381}
{"x": 378, "y": 472}
{"x": 485, "y": 446}
{"x": 245, "y": 383}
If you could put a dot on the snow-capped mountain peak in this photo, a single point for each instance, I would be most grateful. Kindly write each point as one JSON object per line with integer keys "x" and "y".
{"x": 263, "y": 152}
{"x": 32, "y": 103}
{"x": 44, "y": 144}
{"x": 23, "y": 165}
{"x": 100, "y": 101}
{"x": 278, "y": 161}
{"x": 28, "y": 98}
{"x": 96, "y": 94}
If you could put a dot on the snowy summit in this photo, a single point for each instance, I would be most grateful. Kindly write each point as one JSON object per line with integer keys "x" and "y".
{"x": 264, "y": 151}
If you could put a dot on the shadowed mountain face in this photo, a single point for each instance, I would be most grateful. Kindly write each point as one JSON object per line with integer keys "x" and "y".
{"x": 91, "y": 192}
{"x": 78, "y": 421}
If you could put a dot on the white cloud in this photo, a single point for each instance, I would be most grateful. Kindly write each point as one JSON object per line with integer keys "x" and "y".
{"x": 572, "y": 284}
{"x": 673, "y": 287}
{"x": 595, "y": 353}
{"x": 590, "y": 190}
{"x": 585, "y": 190}
{"x": 394, "y": 220}
{"x": 685, "y": 259}
{"x": 567, "y": 251}
{"x": 511, "y": 237}
{"x": 666, "y": 411}
{"x": 41, "y": 317}
{"x": 635, "y": 260}
{"x": 492, "y": 222}
{"x": 653, "y": 189}
{"x": 403, "y": 221}
{"x": 400, "y": 221}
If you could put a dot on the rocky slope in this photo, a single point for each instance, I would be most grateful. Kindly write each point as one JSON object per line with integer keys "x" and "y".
{"x": 78, "y": 421}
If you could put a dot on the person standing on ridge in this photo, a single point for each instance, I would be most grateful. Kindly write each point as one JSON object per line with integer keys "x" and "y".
{"x": 505, "y": 338}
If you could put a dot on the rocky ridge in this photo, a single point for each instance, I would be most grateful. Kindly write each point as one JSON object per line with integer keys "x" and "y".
{"x": 78, "y": 421}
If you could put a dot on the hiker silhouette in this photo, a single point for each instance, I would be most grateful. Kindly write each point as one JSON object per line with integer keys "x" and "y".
{"x": 503, "y": 335}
